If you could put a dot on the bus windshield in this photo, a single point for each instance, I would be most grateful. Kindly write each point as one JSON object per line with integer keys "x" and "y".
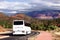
{"x": 18, "y": 22}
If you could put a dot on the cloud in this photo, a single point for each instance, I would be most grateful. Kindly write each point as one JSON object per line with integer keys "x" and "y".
{"x": 48, "y": 4}
{"x": 14, "y": 5}
{"x": 20, "y": 6}
{"x": 29, "y": 5}
{"x": 12, "y": 12}
{"x": 1, "y": 11}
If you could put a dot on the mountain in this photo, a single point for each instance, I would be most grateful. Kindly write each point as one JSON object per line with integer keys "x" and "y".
{"x": 39, "y": 14}
{"x": 6, "y": 21}
{"x": 19, "y": 16}
{"x": 3, "y": 16}
{"x": 44, "y": 14}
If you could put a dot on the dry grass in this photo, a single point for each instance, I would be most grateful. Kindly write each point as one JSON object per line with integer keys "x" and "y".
{"x": 55, "y": 36}
{"x": 2, "y": 29}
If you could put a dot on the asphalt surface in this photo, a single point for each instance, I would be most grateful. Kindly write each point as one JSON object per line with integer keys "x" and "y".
{"x": 20, "y": 37}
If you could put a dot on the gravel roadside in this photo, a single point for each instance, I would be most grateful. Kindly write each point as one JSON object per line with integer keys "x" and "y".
{"x": 1, "y": 37}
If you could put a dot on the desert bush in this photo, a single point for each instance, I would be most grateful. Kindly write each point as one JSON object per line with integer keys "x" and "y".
{"x": 5, "y": 24}
{"x": 43, "y": 27}
{"x": 51, "y": 27}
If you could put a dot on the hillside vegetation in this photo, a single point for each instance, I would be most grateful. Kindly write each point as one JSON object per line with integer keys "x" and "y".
{"x": 36, "y": 24}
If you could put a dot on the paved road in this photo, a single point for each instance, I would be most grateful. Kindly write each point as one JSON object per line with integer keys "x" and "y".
{"x": 44, "y": 36}
{"x": 20, "y": 37}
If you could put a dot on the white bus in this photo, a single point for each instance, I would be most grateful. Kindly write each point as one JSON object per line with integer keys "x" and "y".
{"x": 20, "y": 28}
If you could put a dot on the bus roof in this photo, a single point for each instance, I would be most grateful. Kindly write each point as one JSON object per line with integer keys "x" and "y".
{"x": 18, "y": 20}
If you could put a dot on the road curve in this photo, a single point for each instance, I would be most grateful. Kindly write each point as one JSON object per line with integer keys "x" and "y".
{"x": 20, "y": 37}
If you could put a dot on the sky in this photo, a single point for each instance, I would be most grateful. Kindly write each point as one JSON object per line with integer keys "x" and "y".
{"x": 28, "y": 5}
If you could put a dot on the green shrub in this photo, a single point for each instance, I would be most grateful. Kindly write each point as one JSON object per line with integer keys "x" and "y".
{"x": 51, "y": 27}
{"x": 43, "y": 27}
